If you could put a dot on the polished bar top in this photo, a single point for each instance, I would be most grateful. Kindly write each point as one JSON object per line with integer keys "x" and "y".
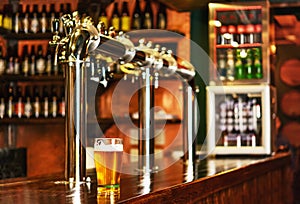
{"x": 141, "y": 189}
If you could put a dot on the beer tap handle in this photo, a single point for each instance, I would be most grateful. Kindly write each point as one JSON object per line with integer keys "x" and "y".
{"x": 157, "y": 48}
{"x": 56, "y": 38}
{"x": 149, "y": 44}
{"x": 55, "y": 26}
{"x": 112, "y": 32}
{"x": 101, "y": 28}
{"x": 68, "y": 22}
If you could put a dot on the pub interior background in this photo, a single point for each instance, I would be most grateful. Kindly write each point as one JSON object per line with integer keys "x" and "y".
{"x": 190, "y": 20}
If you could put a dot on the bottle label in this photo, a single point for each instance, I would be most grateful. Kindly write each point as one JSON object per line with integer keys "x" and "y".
{"x": 46, "y": 107}
{"x": 19, "y": 108}
{"x": 161, "y": 24}
{"x": 36, "y": 108}
{"x": 136, "y": 22}
{"x": 25, "y": 66}
{"x": 34, "y": 25}
{"x": 49, "y": 65}
{"x": 125, "y": 23}
{"x": 10, "y": 108}
{"x": 2, "y": 108}
{"x": 62, "y": 108}
{"x": 1, "y": 20}
{"x": 54, "y": 107}
{"x": 147, "y": 21}
{"x": 16, "y": 24}
{"x": 43, "y": 24}
{"x": 2, "y": 66}
{"x": 115, "y": 22}
{"x": 40, "y": 65}
{"x": 28, "y": 109}
{"x": 26, "y": 24}
{"x": 17, "y": 67}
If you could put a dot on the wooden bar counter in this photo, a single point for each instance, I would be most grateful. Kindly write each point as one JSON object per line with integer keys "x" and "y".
{"x": 214, "y": 180}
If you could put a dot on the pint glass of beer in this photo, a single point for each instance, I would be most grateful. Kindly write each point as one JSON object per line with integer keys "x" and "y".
{"x": 108, "y": 161}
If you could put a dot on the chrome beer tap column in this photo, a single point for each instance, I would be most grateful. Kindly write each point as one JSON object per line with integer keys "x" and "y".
{"x": 81, "y": 39}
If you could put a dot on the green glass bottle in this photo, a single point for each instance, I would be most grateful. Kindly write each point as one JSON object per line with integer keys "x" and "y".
{"x": 257, "y": 63}
{"x": 239, "y": 67}
{"x": 249, "y": 65}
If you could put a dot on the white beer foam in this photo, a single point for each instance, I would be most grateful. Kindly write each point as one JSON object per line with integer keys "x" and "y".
{"x": 109, "y": 148}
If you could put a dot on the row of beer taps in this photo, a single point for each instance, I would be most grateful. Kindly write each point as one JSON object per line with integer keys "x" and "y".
{"x": 83, "y": 42}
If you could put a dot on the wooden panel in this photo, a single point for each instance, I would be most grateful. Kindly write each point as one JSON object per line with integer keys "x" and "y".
{"x": 228, "y": 185}
{"x": 45, "y": 148}
{"x": 290, "y": 72}
{"x": 289, "y": 103}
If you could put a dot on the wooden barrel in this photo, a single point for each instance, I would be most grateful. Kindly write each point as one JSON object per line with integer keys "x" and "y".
{"x": 291, "y": 132}
{"x": 289, "y": 103}
{"x": 290, "y": 72}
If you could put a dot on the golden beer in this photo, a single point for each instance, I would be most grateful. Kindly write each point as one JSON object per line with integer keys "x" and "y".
{"x": 108, "y": 161}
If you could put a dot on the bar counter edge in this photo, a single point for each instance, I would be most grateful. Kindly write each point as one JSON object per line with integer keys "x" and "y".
{"x": 268, "y": 180}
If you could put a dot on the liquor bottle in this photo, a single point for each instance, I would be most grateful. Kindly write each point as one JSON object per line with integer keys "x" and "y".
{"x": 7, "y": 17}
{"x": 161, "y": 19}
{"x": 17, "y": 19}
{"x": 45, "y": 102}
{"x": 60, "y": 14}
{"x": 115, "y": 19}
{"x": 51, "y": 17}
{"x": 125, "y": 18}
{"x": 25, "y": 61}
{"x": 40, "y": 61}
{"x": 34, "y": 21}
{"x": 28, "y": 105}
{"x": 103, "y": 18}
{"x": 258, "y": 71}
{"x": 239, "y": 67}
{"x": 19, "y": 103}
{"x": 17, "y": 62}
{"x": 62, "y": 103}
{"x": 26, "y": 20}
{"x": 249, "y": 64}
{"x": 136, "y": 22}
{"x": 148, "y": 16}
{"x": 43, "y": 19}
{"x": 32, "y": 61}
{"x": 10, "y": 101}
{"x": 10, "y": 61}
{"x": 36, "y": 103}
{"x": 241, "y": 27}
{"x": 2, "y": 103}
{"x": 2, "y": 61}
{"x": 223, "y": 31}
{"x": 230, "y": 65}
{"x": 1, "y": 18}
{"x": 249, "y": 33}
{"x": 54, "y": 105}
{"x": 49, "y": 61}
{"x": 231, "y": 35}
{"x": 221, "y": 65}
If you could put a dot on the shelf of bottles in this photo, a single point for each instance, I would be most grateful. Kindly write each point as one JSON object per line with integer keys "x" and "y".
{"x": 239, "y": 119}
{"x": 32, "y": 88}
{"x": 31, "y": 103}
{"x": 239, "y": 43}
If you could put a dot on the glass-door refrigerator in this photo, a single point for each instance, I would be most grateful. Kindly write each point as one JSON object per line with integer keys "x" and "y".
{"x": 241, "y": 103}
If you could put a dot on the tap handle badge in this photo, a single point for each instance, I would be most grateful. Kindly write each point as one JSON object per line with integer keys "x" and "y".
{"x": 55, "y": 25}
